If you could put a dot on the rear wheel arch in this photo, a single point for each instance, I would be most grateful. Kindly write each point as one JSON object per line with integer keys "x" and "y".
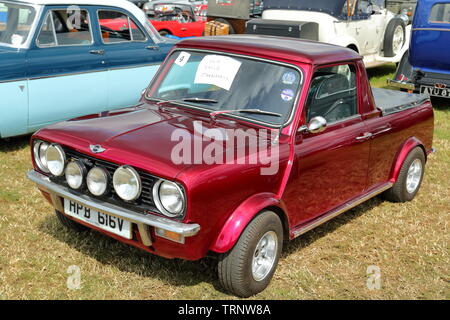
{"x": 353, "y": 47}
{"x": 410, "y": 177}
{"x": 403, "y": 153}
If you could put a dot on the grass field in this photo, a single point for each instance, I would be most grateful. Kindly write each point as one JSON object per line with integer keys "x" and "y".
{"x": 409, "y": 243}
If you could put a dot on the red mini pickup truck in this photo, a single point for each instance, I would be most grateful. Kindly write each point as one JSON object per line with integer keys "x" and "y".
{"x": 238, "y": 144}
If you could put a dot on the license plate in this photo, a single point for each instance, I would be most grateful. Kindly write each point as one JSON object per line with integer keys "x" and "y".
{"x": 435, "y": 92}
{"x": 100, "y": 220}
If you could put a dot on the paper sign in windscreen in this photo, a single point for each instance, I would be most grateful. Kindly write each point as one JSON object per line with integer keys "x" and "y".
{"x": 217, "y": 70}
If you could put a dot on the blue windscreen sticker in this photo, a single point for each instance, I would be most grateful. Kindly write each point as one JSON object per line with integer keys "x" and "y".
{"x": 289, "y": 78}
{"x": 287, "y": 95}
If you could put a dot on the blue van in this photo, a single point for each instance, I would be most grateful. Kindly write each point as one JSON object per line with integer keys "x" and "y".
{"x": 425, "y": 67}
{"x": 62, "y": 60}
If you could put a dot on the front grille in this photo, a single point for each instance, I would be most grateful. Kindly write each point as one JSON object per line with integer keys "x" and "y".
{"x": 143, "y": 204}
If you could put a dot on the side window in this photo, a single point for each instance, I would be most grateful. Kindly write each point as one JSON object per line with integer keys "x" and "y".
{"x": 440, "y": 13}
{"x": 362, "y": 6}
{"x": 332, "y": 94}
{"x": 47, "y": 36}
{"x": 118, "y": 27}
{"x": 65, "y": 28}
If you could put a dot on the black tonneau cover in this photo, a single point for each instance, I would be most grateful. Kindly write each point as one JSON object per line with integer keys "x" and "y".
{"x": 393, "y": 101}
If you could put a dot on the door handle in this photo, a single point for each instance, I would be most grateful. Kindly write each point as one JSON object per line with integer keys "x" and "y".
{"x": 100, "y": 52}
{"x": 383, "y": 130}
{"x": 152, "y": 47}
{"x": 366, "y": 136}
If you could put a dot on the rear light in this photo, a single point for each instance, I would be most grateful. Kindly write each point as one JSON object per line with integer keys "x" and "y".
{"x": 402, "y": 77}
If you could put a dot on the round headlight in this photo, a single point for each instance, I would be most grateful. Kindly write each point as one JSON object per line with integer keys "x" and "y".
{"x": 127, "y": 183}
{"x": 75, "y": 173}
{"x": 56, "y": 160}
{"x": 97, "y": 181}
{"x": 39, "y": 149}
{"x": 169, "y": 198}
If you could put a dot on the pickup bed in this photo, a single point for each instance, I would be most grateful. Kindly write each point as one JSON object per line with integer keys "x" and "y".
{"x": 238, "y": 143}
{"x": 393, "y": 101}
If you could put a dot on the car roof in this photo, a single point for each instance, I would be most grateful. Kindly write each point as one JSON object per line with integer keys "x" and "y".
{"x": 123, "y": 4}
{"x": 299, "y": 50}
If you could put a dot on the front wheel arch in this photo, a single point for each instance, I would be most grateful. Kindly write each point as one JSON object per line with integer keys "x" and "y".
{"x": 243, "y": 215}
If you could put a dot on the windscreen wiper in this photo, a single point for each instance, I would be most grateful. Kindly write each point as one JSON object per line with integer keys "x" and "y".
{"x": 200, "y": 100}
{"x": 213, "y": 115}
{"x": 196, "y": 100}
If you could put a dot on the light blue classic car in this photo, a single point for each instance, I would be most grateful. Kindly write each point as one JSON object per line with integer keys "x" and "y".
{"x": 60, "y": 60}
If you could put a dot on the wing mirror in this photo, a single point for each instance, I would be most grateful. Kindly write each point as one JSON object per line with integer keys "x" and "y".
{"x": 315, "y": 125}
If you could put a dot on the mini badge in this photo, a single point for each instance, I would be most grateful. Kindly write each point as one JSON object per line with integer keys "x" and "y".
{"x": 96, "y": 148}
{"x": 287, "y": 95}
{"x": 289, "y": 78}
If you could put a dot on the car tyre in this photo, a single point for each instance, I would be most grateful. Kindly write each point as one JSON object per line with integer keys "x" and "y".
{"x": 70, "y": 223}
{"x": 394, "y": 38}
{"x": 231, "y": 29}
{"x": 164, "y": 33}
{"x": 409, "y": 179}
{"x": 248, "y": 268}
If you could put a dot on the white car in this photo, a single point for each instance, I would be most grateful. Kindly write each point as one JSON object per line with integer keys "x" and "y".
{"x": 365, "y": 26}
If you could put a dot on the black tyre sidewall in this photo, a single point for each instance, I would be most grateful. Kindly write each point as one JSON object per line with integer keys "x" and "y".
{"x": 231, "y": 29}
{"x": 389, "y": 36}
{"x": 163, "y": 33}
{"x": 398, "y": 192}
{"x": 70, "y": 223}
{"x": 416, "y": 153}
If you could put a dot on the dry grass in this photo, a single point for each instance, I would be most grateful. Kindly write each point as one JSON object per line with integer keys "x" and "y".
{"x": 409, "y": 242}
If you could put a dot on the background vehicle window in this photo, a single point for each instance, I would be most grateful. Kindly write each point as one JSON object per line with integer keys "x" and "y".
{"x": 15, "y": 23}
{"x": 333, "y": 94}
{"x": 115, "y": 27}
{"x": 362, "y": 6}
{"x": 62, "y": 28}
{"x": 440, "y": 13}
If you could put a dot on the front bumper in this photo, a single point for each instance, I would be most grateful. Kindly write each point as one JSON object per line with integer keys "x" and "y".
{"x": 57, "y": 192}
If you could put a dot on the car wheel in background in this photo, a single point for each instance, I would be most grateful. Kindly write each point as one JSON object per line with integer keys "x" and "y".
{"x": 394, "y": 38}
{"x": 248, "y": 268}
{"x": 410, "y": 178}
{"x": 70, "y": 223}
{"x": 231, "y": 29}
{"x": 164, "y": 33}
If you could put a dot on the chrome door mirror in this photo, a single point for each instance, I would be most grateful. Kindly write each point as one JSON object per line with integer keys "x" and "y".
{"x": 315, "y": 125}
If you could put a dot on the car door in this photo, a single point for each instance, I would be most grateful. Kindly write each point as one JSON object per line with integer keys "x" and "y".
{"x": 66, "y": 76}
{"x": 13, "y": 85}
{"x": 132, "y": 55}
{"x": 364, "y": 28}
{"x": 330, "y": 168}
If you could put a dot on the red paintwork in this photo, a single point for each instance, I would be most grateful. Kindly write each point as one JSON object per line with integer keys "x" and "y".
{"x": 188, "y": 29}
{"x": 182, "y": 30}
{"x": 316, "y": 173}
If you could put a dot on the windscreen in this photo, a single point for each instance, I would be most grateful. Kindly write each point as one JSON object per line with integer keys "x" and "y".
{"x": 222, "y": 82}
